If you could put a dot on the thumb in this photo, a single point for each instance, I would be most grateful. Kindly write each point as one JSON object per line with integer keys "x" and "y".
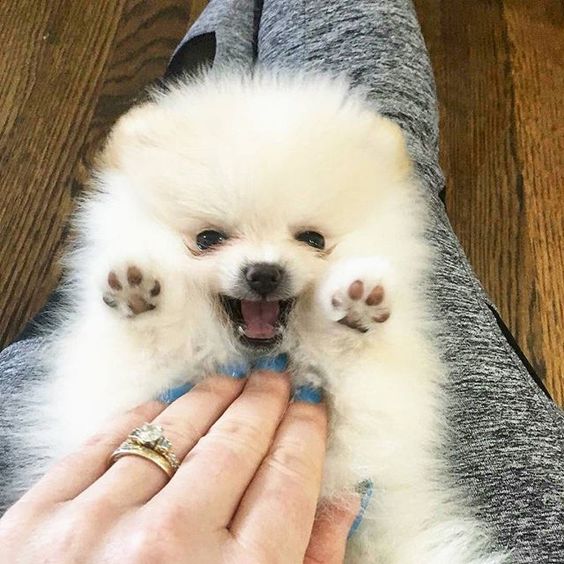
{"x": 332, "y": 524}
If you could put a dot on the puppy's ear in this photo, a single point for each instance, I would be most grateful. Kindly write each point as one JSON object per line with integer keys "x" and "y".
{"x": 139, "y": 127}
{"x": 389, "y": 141}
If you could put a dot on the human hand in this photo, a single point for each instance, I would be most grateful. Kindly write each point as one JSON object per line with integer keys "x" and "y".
{"x": 246, "y": 491}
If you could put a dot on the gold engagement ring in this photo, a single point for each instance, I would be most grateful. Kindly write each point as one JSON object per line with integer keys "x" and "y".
{"x": 150, "y": 443}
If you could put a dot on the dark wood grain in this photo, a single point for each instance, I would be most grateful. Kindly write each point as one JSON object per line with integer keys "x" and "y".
{"x": 535, "y": 34}
{"x": 52, "y": 61}
{"x": 498, "y": 66}
{"x": 69, "y": 68}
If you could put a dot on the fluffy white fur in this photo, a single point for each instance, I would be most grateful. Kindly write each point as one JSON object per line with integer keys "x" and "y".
{"x": 261, "y": 158}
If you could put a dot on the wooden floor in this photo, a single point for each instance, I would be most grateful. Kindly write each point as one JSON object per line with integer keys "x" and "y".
{"x": 68, "y": 68}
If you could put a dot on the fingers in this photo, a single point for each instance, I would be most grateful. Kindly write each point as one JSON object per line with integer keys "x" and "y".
{"x": 224, "y": 462}
{"x": 79, "y": 470}
{"x": 133, "y": 480}
{"x": 279, "y": 505}
{"x": 331, "y": 528}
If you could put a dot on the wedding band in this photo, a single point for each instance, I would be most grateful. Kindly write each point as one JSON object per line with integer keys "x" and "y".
{"x": 131, "y": 449}
{"x": 149, "y": 442}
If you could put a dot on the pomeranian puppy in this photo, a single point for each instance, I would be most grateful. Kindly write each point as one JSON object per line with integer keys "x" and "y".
{"x": 241, "y": 216}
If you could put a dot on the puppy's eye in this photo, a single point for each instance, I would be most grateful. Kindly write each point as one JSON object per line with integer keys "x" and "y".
{"x": 312, "y": 238}
{"x": 210, "y": 238}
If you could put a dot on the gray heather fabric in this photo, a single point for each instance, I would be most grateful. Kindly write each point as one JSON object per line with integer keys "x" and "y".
{"x": 18, "y": 376}
{"x": 507, "y": 443}
{"x": 234, "y": 24}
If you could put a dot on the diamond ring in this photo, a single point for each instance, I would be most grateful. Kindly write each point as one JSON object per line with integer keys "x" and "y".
{"x": 150, "y": 443}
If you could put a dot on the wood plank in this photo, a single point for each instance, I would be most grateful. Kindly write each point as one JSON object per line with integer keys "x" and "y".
{"x": 496, "y": 69}
{"x": 535, "y": 34}
{"x": 76, "y": 66}
{"x": 54, "y": 54}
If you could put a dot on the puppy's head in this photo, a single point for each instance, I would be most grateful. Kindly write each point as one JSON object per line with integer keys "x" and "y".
{"x": 264, "y": 179}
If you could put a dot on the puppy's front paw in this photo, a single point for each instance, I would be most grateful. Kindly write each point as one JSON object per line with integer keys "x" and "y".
{"x": 131, "y": 291}
{"x": 355, "y": 294}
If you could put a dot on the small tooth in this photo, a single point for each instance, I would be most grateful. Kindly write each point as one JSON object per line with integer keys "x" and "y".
{"x": 240, "y": 330}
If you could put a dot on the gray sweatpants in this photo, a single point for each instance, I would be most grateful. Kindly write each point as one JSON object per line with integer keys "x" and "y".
{"x": 506, "y": 448}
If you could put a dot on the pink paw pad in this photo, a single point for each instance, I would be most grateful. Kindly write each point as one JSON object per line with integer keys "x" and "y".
{"x": 132, "y": 292}
{"x": 362, "y": 306}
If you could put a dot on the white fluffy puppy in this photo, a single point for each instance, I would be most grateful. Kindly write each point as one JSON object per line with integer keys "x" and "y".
{"x": 235, "y": 217}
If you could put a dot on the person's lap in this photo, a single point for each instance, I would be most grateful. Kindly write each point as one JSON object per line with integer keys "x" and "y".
{"x": 507, "y": 443}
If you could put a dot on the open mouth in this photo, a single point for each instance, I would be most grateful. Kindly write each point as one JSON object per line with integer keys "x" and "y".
{"x": 258, "y": 323}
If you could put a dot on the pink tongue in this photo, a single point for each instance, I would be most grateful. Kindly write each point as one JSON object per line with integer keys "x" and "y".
{"x": 260, "y": 318}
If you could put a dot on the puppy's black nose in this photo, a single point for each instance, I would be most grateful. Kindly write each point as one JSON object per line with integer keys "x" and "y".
{"x": 263, "y": 277}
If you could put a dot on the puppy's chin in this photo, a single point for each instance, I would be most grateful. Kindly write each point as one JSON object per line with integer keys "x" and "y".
{"x": 258, "y": 326}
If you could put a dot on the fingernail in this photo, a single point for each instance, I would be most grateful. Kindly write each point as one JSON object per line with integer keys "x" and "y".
{"x": 237, "y": 370}
{"x": 308, "y": 394}
{"x": 272, "y": 364}
{"x": 174, "y": 393}
{"x": 365, "y": 489}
